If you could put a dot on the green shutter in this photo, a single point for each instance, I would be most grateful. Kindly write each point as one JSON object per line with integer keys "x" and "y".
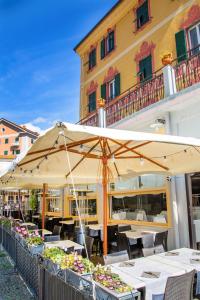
{"x": 181, "y": 49}
{"x": 145, "y": 67}
{"x": 117, "y": 85}
{"x": 111, "y": 41}
{"x": 92, "y": 102}
{"x": 94, "y": 57}
{"x": 142, "y": 14}
{"x": 103, "y": 48}
{"x": 103, "y": 91}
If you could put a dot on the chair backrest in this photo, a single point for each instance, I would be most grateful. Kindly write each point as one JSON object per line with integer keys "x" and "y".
{"x": 56, "y": 230}
{"x": 180, "y": 287}
{"x": 94, "y": 233}
{"x": 112, "y": 233}
{"x": 92, "y": 222}
{"x": 52, "y": 238}
{"x": 89, "y": 244}
{"x": 32, "y": 227}
{"x": 124, "y": 228}
{"x": 67, "y": 219}
{"x": 122, "y": 242}
{"x": 152, "y": 251}
{"x": 161, "y": 239}
{"x": 148, "y": 241}
{"x": 70, "y": 250}
{"x": 116, "y": 257}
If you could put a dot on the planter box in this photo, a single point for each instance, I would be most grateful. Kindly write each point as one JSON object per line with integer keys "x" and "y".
{"x": 51, "y": 266}
{"x": 80, "y": 281}
{"x": 36, "y": 249}
{"x": 104, "y": 293}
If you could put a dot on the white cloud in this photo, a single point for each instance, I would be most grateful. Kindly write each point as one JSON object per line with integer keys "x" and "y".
{"x": 39, "y": 120}
{"x": 32, "y": 127}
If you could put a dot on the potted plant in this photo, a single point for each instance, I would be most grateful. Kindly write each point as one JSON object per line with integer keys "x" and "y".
{"x": 167, "y": 58}
{"x": 52, "y": 258}
{"x": 109, "y": 283}
{"x": 35, "y": 244}
{"x": 77, "y": 270}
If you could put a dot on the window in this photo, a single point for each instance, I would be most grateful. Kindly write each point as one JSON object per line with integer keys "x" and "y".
{"x": 17, "y": 139}
{"x": 92, "y": 102}
{"x": 92, "y": 59}
{"x": 181, "y": 48}
{"x": 6, "y": 152}
{"x": 142, "y": 14}
{"x": 108, "y": 44}
{"x": 145, "y": 68}
{"x": 194, "y": 38}
{"x": 111, "y": 89}
{"x": 3, "y": 129}
{"x": 17, "y": 151}
{"x": 32, "y": 141}
{"x": 6, "y": 141}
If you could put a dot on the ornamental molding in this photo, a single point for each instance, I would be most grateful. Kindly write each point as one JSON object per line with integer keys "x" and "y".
{"x": 146, "y": 49}
{"x": 92, "y": 87}
{"x": 192, "y": 17}
{"x": 110, "y": 74}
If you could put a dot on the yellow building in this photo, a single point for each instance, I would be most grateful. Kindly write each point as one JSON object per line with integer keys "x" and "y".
{"x": 124, "y": 49}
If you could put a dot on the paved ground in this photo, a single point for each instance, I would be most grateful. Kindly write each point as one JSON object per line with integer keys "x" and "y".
{"x": 12, "y": 286}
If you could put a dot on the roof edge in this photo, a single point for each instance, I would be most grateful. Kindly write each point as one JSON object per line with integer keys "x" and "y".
{"x": 97, "y": 24}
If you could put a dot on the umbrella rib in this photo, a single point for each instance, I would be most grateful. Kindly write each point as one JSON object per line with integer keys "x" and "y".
{"x": 114, "y": 162}
{"x": 142, "y": 156}
{"x": 133, "y": 148}
{"x": 122, "y": 145}
{"x": 78, "y": 163}
{"x": 39, "y": 157}
{"x": 90, "y": 155}
{"x": 73, "y": 144}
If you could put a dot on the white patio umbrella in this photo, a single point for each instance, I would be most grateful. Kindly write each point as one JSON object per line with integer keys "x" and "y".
{"x": 84, "y": 154}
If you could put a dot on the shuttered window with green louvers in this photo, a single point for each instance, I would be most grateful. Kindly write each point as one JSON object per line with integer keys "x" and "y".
{"x": 103, "y": 48}
{"x": 92, "y": 59}
{"x": 117, "y": 85}
{"x": 181, "y": 48}
{"x": 111, "y": 41}
{"x": 142, "y": 14}
{"x": 103, "y": 91}
{"x": 92, "y": 102}
{"x": 145, "y": 68}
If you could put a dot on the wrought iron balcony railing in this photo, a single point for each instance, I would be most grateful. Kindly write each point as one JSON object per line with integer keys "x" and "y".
{"x": 144, "y": 94}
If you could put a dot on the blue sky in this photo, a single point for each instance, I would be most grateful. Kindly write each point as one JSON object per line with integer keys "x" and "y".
{"x": 39, "y": 71}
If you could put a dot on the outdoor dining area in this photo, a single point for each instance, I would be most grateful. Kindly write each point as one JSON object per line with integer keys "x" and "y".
{"x": 124, "y": 252}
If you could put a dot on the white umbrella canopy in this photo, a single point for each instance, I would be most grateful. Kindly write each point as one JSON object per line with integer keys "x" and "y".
{"x": 81, "y": 149}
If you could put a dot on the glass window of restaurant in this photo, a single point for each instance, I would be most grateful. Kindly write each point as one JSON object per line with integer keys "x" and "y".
{"x": 141, "y": 200}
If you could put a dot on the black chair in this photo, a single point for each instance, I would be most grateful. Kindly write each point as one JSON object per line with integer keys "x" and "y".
{"x": 96, "y": 235}
{"x": 89, "y": 245}
{"x": 112, "y": 238}
{"x": 67, "y": 219}
{"x": 92, "y": 222}
{"x": 56, "y": 230}
{"x": 78, "y": 234}
{"x": 32, "y": 227}
{"x": 69, "y": 250}
{"x": 51, "y": 238}
{"x": 68, "y": 231}
{"x": 115, "y": 257}
{"x": 161, "y": 239}
{"x": 123, "y": 244}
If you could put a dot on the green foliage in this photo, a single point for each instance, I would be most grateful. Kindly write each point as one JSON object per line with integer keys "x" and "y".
{"x": 33, "y": 201}
{"x": 34, "y": 241}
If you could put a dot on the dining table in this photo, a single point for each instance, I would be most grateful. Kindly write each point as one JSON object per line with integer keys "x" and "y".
{"x": 67, "y": 222}
{"x": 27, "y": 224}
{"x": 65, "y": 244}
{"x": 151, "y": 273}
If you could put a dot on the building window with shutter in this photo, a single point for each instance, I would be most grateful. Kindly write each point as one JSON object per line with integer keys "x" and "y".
{"x": 6, "y": 152}
{"x": 92, "y": 102}
{"x": 111, "y": 89}
{"x": 145, "y": 68}
{"x": 6, "y": 141}
{"x": 194, "y": 39}
{"x": 107, "y": 44}
{"x": 181, "y": 46}
{"x": 142, "y": 14}
{"x": 92, "y": 59}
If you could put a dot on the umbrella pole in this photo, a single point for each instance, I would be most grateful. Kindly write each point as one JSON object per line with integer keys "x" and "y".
{"x": 105, "y": 205}
{"x": 43, "y": 206}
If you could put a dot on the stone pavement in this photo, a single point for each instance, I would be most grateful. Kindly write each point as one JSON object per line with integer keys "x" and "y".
{"x": 12, "y": 286}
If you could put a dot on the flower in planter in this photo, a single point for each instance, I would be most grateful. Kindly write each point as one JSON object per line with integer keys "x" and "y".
{"x": 34, "y": 240}
{"x": 112, "y": 281}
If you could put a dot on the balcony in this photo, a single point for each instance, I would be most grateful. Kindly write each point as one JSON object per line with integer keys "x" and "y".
{"x": 187, "y": 73}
